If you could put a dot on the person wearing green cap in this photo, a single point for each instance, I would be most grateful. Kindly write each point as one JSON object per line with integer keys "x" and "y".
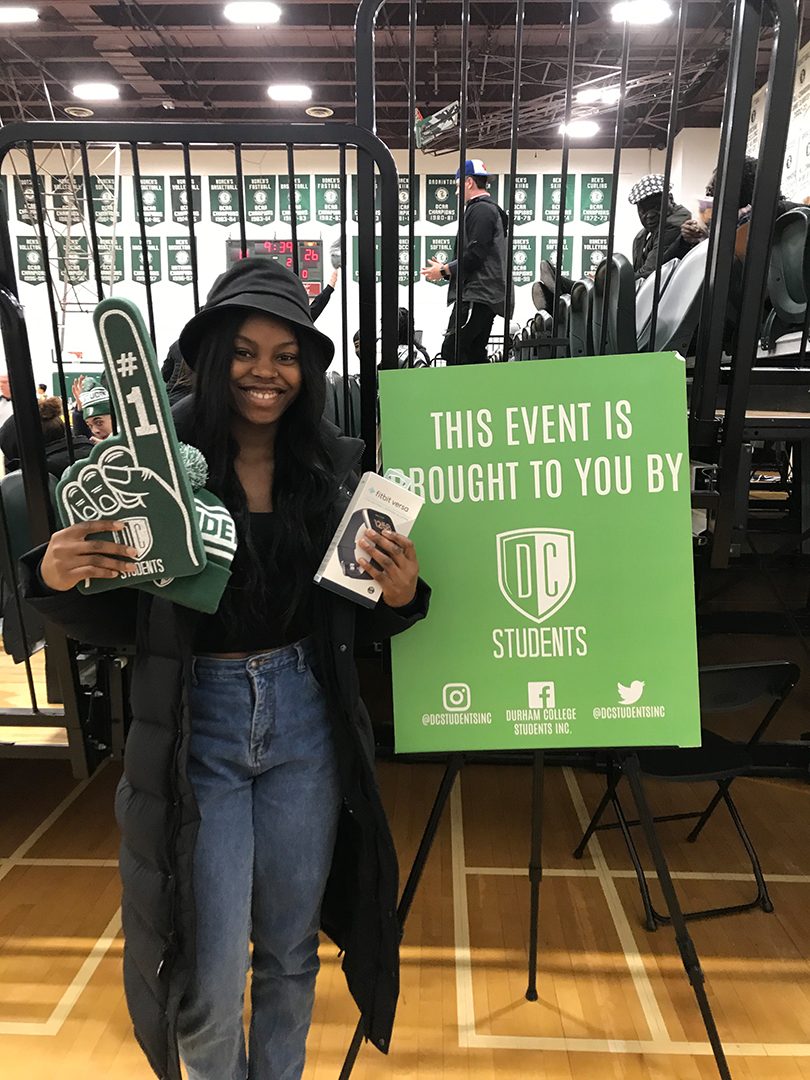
{"x": 96, "y": 410}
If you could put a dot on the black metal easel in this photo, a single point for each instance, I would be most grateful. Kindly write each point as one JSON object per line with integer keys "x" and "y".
{"x": 686, "y": 946}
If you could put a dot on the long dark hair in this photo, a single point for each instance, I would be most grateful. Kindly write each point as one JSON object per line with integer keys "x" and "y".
{"x": 303, "y": 481}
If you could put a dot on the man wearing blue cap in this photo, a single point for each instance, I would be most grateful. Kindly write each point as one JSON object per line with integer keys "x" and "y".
{"x": 482, "y": 274}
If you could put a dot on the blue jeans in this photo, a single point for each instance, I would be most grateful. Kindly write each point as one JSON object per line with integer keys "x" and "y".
{"x": 263, "y": 768}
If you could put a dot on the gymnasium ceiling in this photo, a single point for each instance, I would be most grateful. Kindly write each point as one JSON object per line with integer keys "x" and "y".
{"x": 182, "y": 60}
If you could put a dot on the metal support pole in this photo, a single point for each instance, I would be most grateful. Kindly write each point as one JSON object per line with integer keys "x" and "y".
{"x": 535, "y": 868}
{"x": 293, "y": 205}
{"x": 147, "y": 270}
{"x": 192, "y": 237}
{"x": 614, "y": 194}
{"x": 569, "y": 100}
{"x": 509, "y": 196}
{"x": 458, "y": 278}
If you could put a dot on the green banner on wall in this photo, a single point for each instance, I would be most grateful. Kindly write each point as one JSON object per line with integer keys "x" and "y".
{"x": 29, "y": 260}
{"x": 594, "y": 250}
{"x": 404, "y": 199}
{"x": 556, "y": 535}
{"x": 356, "y": 258}
{"x": 552, "y": 192}
{"x": 72, "y": 259}
{"x": 223, "y": 196}
{"x": 441, "y": 248}
{"x": 178, "y": 259}
{"x": 24, "y": 197}
{"x": 594, "y": 198}
{"x": 302, "y": 198}
{"x": 106, "y": 191}
{"x": 355, "y": 197}
{"x": 327, "y": 200}
{"x": 179, "y": 197}
{"x": 111, "y": 259}
{"x": 441, "y": 202}
{"x": 153, "y": 195}
{"x": 524, "y": 260}
{"x": 525, "y": 198}
{"x": 260, "y": 199}
{"x": 153, "y": 254}
{"x": 67, "y": 195}
{"x": 403, "y": 259}
{"x": 548, "y": 250}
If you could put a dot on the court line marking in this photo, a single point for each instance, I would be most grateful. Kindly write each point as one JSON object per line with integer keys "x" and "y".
{"x": 681, "y": 875}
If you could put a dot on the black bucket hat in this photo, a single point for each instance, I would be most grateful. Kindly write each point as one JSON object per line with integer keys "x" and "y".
{"x": 256, "y": 284}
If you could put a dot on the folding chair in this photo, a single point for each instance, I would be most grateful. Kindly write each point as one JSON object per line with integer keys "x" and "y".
{"x": 618, "y": 308}
{"x": 580, "y": 327}
{"x": 728, "y": 688}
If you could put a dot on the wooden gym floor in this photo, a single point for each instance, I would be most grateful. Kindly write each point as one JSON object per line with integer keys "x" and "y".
{"x": 614, "y": 1000}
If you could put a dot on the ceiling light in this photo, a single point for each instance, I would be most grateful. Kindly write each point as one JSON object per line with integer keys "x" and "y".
{"x": 18, "y": 15}
{"x": 641, "y": 12}
{"x": 593, "y": 95}
{"x": 253, "y": 14}
{"x": 289, "y": 92}
{"x": 320, "y": 112}
{"x": 79, "y": 112}
{"x": 96, "y": 91}
{"x": 580, "y": 129}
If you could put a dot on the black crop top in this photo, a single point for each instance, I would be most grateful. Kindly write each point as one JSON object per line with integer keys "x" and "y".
{"x": 252, "y": 632}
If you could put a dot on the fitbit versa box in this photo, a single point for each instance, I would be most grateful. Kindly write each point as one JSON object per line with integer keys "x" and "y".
{"x": 379, "y": 504}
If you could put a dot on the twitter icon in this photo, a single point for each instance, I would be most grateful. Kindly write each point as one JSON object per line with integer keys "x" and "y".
{"x": 629, "y": 695}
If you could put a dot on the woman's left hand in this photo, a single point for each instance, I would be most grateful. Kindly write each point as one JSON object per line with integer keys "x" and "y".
{"x": 398, "y": 570}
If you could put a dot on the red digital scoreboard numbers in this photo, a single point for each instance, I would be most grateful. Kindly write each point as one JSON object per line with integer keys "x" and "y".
{"x": 310, "y": 258}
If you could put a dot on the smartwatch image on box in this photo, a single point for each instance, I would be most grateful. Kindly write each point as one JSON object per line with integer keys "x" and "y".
{"x": 349, "y": 550}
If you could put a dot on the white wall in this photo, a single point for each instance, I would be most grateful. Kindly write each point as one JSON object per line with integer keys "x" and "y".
{"x": 694, "y": 160}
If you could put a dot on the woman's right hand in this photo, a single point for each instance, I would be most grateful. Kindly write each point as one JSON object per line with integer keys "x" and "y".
{"x": 73, "y": 555}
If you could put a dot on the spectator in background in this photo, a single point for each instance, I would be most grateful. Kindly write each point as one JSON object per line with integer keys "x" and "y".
{"x": 42, "y": 390}
{"x": 646, "y": 197}
{"x": 6, "y": 408}
{"x": 419, "y": 356}
{"x": 177, "y": 375}
{"x": 57, "y": 456}
{"x": 97, "y": 411}
{"x": 319, "y": 302}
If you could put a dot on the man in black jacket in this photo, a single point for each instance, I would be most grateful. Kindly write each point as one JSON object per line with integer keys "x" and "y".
{"x": 483, "y": 272}
{"x": 646, "y": 197}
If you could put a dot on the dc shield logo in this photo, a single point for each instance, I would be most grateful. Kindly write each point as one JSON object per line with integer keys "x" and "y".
{"x": 536, "y": 570}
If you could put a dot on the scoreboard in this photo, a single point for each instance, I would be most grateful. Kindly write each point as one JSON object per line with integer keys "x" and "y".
{"x": 310, "y": 258}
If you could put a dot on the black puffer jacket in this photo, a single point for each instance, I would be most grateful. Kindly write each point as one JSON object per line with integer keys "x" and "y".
{"x": 158, "y": 816}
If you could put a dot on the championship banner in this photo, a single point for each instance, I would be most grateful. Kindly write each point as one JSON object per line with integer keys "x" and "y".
{"x": 594, "y": 251}
{"x": 302, "y": 198}
{"x": 260, "y": 199}
{"x": 552, "y": 193}
{"x": 556, "y": 535}
{"x": 106, "y": 195}
{"x": 356, "y": 258}
{"x": 68, "y": 199}
{"x": 404, "y": 199}
{"x": 111, "y": 258}
{"x": 441, "y": 248}
{"x": 355, "y": 196}
{"x": 24, "y": 197}
{"x": 152, "y": 253}
{"x": 524, "y": 260}
{"x": 153, "y": 196}
{"x": 525, "y": 198}
{"x": 441, "y": 201}
{"x": 403, "y": 260}
{"x": 223, "y": 196}
{"x": 178, "y": 258}
{"x": 595, "y": 194}
{"x": 548, "y": 251}
{"x": 327, "y": 200}
{"x": 179, "y": 198}
{"x": 30, "y": 264}
{"x": 72, "y": 259}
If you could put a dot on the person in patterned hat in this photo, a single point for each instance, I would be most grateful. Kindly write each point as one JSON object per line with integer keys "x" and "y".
{"x": 646, "y": 196}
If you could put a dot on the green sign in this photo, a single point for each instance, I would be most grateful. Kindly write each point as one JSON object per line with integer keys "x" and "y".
{"x": 24, "y": 195}
{"x": 441, "y": 200}
{"x": 223, "y": 194}
{"x": 111, "y": 258}
{"x": 403, "y": 260}
{"x": 524, "y": 260}
{"x": 153, "y": 255}
{"x": 106, "y": 205}
{"x": 548, "y": 251}
{"x": 441, "y": 248}
{"x": 525, "y": 198}
{"x": 356, "y": 258}
{"x": 552, "y": 192}
{"x": 30, "y": 263}
{"x": 404, "y": 199}
{"x": 327, "y": 200}
{"x": 594, "y": 250}
{"x": 68, "y": 199}
{"x": 179, "y": 197}
{"x": 72, "y": 259}
{"x": 178, "y": 252}
{"x": 594, "y": 198}
{"x": 556, "y": 533}
{"x": 260, "y": 199}
{"x": 302, "y": 198}
{"x": 153, "y": 196}
{"x": 376, "y": 199}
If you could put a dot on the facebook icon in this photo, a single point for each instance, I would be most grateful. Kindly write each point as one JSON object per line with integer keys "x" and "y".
{"x": 541, "y": 695}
